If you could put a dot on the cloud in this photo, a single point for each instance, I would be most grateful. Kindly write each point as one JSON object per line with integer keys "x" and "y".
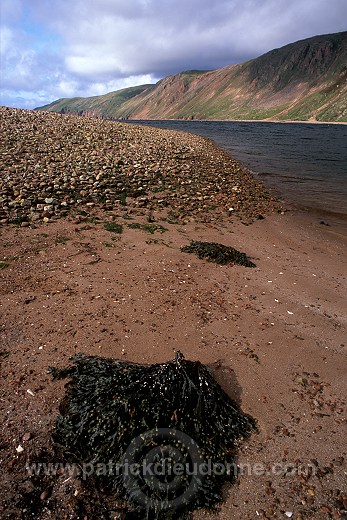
{"x": 17, "y": 59}
{"x": 82, "y": 47}
{"x": 123, "y": 37}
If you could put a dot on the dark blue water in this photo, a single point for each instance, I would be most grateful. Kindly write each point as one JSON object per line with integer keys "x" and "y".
{"x": 304, "y": 163}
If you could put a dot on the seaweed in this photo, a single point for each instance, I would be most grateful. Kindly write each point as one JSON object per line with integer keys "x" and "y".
{"x": 149, "y": 228}
{"x": 172, "y": 415}
{"x": 218, "y": 253}
{"x": 113, "y": 227}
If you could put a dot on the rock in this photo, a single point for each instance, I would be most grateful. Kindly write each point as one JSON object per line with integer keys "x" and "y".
{"x": 25, "y": 203}
{"x": 29, "y": 300}
{"x": 44, "y": 495}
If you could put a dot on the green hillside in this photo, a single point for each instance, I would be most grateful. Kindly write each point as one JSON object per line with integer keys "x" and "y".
{"x": 103, "y": 106}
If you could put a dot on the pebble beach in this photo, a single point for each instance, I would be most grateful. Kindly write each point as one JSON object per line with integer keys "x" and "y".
{"x": 56, "y": 165}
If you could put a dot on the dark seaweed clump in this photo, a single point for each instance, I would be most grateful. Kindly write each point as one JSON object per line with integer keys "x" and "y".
{"x": 170, "y": 413}
{"x": 218, "y": 253}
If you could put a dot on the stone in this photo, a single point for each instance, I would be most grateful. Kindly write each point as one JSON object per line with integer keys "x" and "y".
{"x": 44, "y": 495}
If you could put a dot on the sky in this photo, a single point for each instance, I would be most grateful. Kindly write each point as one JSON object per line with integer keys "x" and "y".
{"x": 50, "y": 49}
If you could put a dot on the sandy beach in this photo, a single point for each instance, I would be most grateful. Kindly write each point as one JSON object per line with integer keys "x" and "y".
{"x": 274, "y": 337}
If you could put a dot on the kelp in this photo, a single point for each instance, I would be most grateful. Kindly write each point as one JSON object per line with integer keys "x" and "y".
{"x": 173, "y": 413}
{"x": 218, "y": 253}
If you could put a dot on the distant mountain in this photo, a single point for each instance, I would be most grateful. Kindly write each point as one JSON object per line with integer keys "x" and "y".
{"x": 306, "y": 80}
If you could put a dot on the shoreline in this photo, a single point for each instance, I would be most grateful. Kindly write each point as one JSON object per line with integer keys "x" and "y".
{"x": 275, "y": 186}
{"x": 242, "y": 121}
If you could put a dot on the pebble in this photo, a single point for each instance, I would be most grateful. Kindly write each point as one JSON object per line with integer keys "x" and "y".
{"x": 44, "y": 495}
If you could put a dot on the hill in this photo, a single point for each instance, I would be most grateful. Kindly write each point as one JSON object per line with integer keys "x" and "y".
{"x": 301, "y": 81}
{"x": 96, "y": 106}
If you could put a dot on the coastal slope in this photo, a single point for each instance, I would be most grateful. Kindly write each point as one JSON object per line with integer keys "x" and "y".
{"x": 302, "y": 81}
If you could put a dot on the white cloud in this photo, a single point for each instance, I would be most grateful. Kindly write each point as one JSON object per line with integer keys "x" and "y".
{"x": 97, "y": 89}
{"x": 17, "y": 60}
{"x": 66, "y": 88}
{"x": 91, "y": 66}
{"x": 6, "y": 41}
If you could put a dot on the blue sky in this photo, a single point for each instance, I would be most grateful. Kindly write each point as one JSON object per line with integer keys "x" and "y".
{"x": 51, "y": 49}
